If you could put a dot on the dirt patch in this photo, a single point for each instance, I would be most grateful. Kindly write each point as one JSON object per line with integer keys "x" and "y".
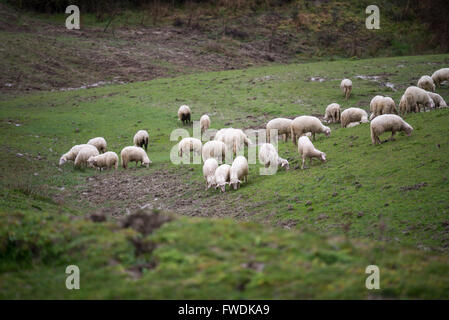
{"x": 145, "y": 221}
{"x": 414, "y": 187}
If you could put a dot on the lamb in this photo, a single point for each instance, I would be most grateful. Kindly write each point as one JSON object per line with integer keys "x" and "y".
{"x": 71, "y": 154}
{"x": 141, "y": 139}
{"x": 84, "y": 154}
{"x": 282, "y": 125}
{"x": 381, "y": 105}
{"x": 184, "y": 114}
{"x": 222, "y": 176}
{"x": 187, "y": 145}
{"x": 106, "y": 160}
{"x": 353, "y": 115}
{"x": 209, "y": 167}
{"x": 307, "y": 150}
{"x": 304, "y": 124}
{"x": 234, "y": 139}
{"x": 99, "y": 143}
{"x": 214, "y": 149}
{"x": 204, "y": 123}
{"x": 437, "y": 99}
{"x": 239, "y": 171}
{"x": 415, "y": 97}
{"x": 426, "y": 83}
{"x": 333, "y": 113}
{"x": 346, "y": 87}
{"x": 134, "y": 154}
{"x": 388, "y": 122}
{"x": 269, "y": 157}
{"x": 440, "y": 75}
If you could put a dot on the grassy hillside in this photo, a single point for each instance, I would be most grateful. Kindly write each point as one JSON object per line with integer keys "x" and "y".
{"x": 384, "y": 205}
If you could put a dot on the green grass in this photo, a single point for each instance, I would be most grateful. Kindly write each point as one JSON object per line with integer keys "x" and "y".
{"x": 356, "y": 196}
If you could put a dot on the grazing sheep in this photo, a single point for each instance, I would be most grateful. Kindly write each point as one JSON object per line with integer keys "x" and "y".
{"x": 307, "y": 150}
{"x": 438, "y": 100}
{"x": 346, "y": 87}
{"x": 71, "y": 154}
{"x": 303, "y": 124}
{"x": 426, "y": 83}
{"x": 214, "y": 149}
{"x": 414, "y": 98}
{"x": 234, "y": 139}
{"x": 282, "y": 125}
{"x": 353, "y": 115}
{"x": 84, "y": 154}
{"x": 222, "y": 176}
{"x": 106, "y": 160}
{"x": 269, "y": 157}
{"x": 204, "y": 123}
{"x": 440, "y": 76}
{"x": 239, "y": 171}
{"x": 209, "y": 167}
{"x": 134, "y": 154}
{"x": 388, "y": 122}
{"x": 99, "y": 143}
{"x": 187, "y": 145}
{"x": 333, "y": 113}
{"x": 141, "y": 139}
{"x": 381, "y": 105}
{"x": 184, "y": 114}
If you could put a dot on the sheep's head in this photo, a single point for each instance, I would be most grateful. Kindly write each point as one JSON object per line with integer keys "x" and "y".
{"x": 408, "y": 129}
{"x": 323, "y": 157}
{"x": 146, "y": 162}
{"x": 91, "y": 162}
{"x": 430, "y": 104}
{"x": 211, "y": 182}
{"x": 222, "y": 186}
{"x": 327, "y": 131}
{"x": 62, "y": 160}
{"x": 284, "y": 164}
{"x": 235, "y": 183}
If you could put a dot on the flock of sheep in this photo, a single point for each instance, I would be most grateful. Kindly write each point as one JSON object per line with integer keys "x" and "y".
{"x": 227, "y": 142}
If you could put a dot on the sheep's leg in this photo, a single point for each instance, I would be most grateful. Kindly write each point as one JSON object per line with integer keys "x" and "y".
{"x": 311, "y": 161}
{"x": 392, "y": 135}
{"x": 303, "y": 162}
{"x": 313, "y": 135}
{"x": 284, "y": 136}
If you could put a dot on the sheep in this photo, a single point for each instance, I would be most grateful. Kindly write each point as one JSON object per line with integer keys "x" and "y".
{"x": 426, "y": 83}
{"x": 304, "y": 124}
{"x": 381, "y": 105}
{"x": 106, "y": 160}
{"x": 353, "y": 124}
{"x": 239, "y": 171}
{"x": 333, "y": 113}
{"x": 141, "y": 139}
{"x": 440, "y": 75}
{"x": 307, "y": 150}
{"x": 204, "y": 123}
{"x": 99, "y": 143}
{"x": 353, "y": 115}
{"x": 234, "y": 139}
{"x": 214, "y": 149}
{"x": 415, "y": 97}
{"x": 209, "y": 167}
{"x": 346, "y": 87}
{"x": 134, "y": 154}
{"x": 282, "y": 125}
{"x": 437, "y": 99}
{"x": 71, "y": 154}
{"x": 222, "y": 176}
{"x": 184, "y": 114}
{"x": 187, "y": 145}
{"x": 388, "y": 122}
{"x": 269, "y": 157}
{"x": 84, "y": 154}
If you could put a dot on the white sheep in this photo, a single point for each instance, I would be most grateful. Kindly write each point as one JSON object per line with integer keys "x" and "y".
{"x": 209, "y": 167}
{"x": 184, "y": 114}
{"x": 234, "y": 139}
{"x": 426, "y": 83}
{"x": 84, "y": 154}
{"x": 99, "y": 143}
{"x": 353, "y": 115}
{"x": 239, "y": 172}
{"x": 332, "y": 113}
{"x": 204, "y": 123}
{"x": 268, "y": 156}
{"x": 437, "y": 99}
{"x": 134, "y": 154}
{"x": 222, "y": 176}
{"x": 388, "y": 122}
{"x": 282, "y": 125}
{"x": 307, "y": 150}
{"x": 187, "y": 145}
{"x": 214, "y": 149}
{"x": 414, "y": 98}
{"x": 141, "y": 139}
{"x": 440, "y": 76}
{"x": 71, "y": 154}
{"x": 382, "y": 105}
{"x": 303, "y": 124}
{"x": 106, "y": 160}
{"x": 346, "y": 87}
